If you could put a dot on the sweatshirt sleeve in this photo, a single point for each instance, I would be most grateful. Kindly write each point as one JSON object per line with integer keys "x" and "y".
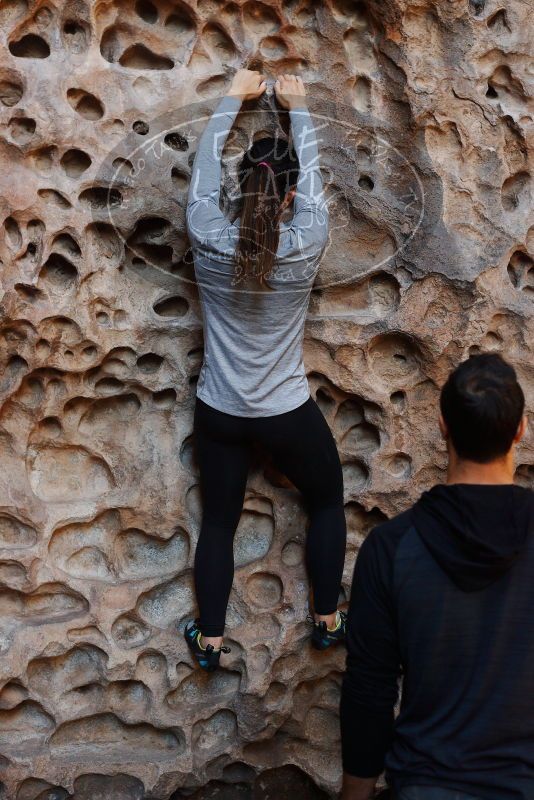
{"x": 370, "y": 683}
{"x": 307, "y": 234}
{"x": 310, "y": 217}
{"x": 204, "y": 218}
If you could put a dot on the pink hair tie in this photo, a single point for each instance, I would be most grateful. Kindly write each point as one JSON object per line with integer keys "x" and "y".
{"x": 266, "y": 164}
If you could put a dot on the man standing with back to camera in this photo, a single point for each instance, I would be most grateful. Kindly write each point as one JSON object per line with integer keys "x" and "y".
{"x": 444, "y": 595}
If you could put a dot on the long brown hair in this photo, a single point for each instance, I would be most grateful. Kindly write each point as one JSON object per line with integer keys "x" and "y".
{"x": 264, "y": 177}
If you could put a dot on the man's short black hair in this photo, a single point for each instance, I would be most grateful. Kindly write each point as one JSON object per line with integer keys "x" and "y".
{"x": 482, "y": 405}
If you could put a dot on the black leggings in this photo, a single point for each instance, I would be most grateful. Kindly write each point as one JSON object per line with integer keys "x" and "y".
{"x": 304, "y": 449}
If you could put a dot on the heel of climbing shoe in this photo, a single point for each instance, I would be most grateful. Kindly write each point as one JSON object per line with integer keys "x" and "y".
{"x": 322, "y": 638}
{"x": 208, "y": 658}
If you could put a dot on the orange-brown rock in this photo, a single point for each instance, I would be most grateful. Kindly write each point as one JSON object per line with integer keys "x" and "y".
{"x": 425, "y": 119}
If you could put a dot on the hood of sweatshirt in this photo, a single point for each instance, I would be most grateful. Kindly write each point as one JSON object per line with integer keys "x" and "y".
{"x": 475, "y": 532}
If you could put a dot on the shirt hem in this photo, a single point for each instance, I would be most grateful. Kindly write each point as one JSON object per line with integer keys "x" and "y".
{"x": 236, "y": 413}
{"x": 477, "y": 792}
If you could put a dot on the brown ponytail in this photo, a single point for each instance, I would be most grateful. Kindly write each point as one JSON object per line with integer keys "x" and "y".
{"x": 259, "y": 230}
{"x": 264, "y": 181}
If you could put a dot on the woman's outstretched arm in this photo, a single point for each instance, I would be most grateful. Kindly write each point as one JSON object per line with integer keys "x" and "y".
{"x": 204, "y": 217}
{"x": 308, "y": 232}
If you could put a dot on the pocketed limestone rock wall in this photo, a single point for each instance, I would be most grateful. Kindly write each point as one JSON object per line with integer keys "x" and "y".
{"x": 426, "y": 122}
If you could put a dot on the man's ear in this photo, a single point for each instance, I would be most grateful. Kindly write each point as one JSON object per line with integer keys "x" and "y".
{"x": 521, "y": 430}
{"x": 443, "y": 427}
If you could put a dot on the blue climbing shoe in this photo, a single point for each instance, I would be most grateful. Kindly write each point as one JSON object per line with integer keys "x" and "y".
{"x": 322, "y": 637}
{"x": 207, "y": 657}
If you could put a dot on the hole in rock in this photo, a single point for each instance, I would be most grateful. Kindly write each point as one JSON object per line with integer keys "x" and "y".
{"x": 165, "y": 398}
{"x": 324, "y": 400}
{"x": 180, "y": 179}
{"x": 168, "y": 603}
{"x": 288, "y": 780}
{"x": 273, "y": 47}
{"x": 217, "y": 41}
{"x": 176, "y": 141}
{"x": 367, "y": 183}
{"x": 188, "y": 455}
{"x": 138, "y": 56}
{"x": 43, "y": 158}
{"x": 30, "y": 46}
{"x": 399, "y": 465}
{"x": 524, "y": 475}
{"x": 515, "y": 191}
{"x": 150, "y": 362}
{"x": 238, "y": 771}
{"x": 359, "y": 435}
{"x": 55, "y": 198}
{"x": 361, "y": 438}
{"x": 100, "y": 197}
{"x": 29, "y": 293}
{"x": 22, "y": 129}
{"x": 350, "y": 11}
{"x": 355, "y": 475}
{"x": 67, "y": 473}
{"x": 173, "y": 307}
{"x": 254, "y": 534}
{"x": 293, "y": 554}
{"x": 394, "y": 356}
{"x": 384, "y": 293}
{"x": 141, "y": 127}
{"x": 114, "y": 739}
{"x": 75, "y": 162}
{"x": 85, "y": 104}
{"x": 211, "y": 87}
{"x": 504, "y": 82}
{"x": 477, "y": 6}
{"x": 103, "y": 319}
{"x": 104, "y": 787}
{"x": 208, "y": 688}
{"x": 210, "y": 735}
{"x": 264, "y": 589}
{"x": 147, "y": 11}
{"x": 499, "y": 21}
{"x": 76, "y": 36}
{"x": 180, "y": 21}
{"x": 130, "y": 632}
{"x": 108, "y": 386}
{"x": 10, "y": 92}
{"x": 16, "y": 363}
{"x": 521, "y": 271}
{"x": 14, "y": 533}
{"x": 58, "y": 273}
{"x": 123, "y": 167}
{"x": 259, "y": 19}
{"x": 398, "y": 401}
{"x": 65, "y": 242}
{"x": 13, "y": 234}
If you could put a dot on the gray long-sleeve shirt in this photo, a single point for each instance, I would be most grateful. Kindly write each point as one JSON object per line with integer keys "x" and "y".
{"x": 253, "y": 339}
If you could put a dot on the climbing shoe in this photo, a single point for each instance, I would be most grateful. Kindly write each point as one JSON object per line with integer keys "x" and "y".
{"x": 207, "y": 657}
{"x": 322, "y": 637}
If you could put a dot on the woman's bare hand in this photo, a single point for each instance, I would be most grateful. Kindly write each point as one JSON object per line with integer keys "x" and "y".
{"x": 247, "y": 84}
{"x": 290, "y": 91}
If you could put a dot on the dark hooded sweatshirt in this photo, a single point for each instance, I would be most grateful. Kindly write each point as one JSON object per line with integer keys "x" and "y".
{"x": 443, "y": 595}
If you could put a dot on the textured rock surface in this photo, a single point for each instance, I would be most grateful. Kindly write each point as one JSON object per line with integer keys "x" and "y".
{"x": 427, "y": 158}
